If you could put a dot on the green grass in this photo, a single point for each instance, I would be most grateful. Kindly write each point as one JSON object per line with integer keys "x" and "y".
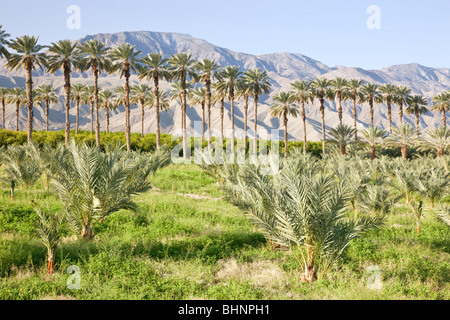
{"x": 176, "y": 246}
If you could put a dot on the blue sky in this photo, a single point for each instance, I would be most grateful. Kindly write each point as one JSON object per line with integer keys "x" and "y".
{"x": 334, "y": 32}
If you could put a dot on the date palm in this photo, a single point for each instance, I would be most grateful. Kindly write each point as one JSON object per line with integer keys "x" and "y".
{"x": 387, "y": 94}
{"x": 18, "y": 97}
{"x": 140, "y": 94}
{"x": 437, "y": 139}
{"x": 63, "y": 56}
{"x": 321, "y": 90}
{"x": 402, "y": 95}
{"x": 46, "y": 93}
{"x": 205, "y": 70}
{"x": 4, "y": 43}
{"x": 302, "y": 95}
{"x": 441, "y": 103}
{"x": 370, "y": 94}
{"x": 4, "y": 93}
{"x": 77, "y": 91}
{"x": 342, "y": 136}
{"x": 154, "y": 68}
{"x": 181, "y": 66}
{"x": 95, "y": 58}
{"x": 125, "y": 61}
{"x": 283, "y": 107}
{"x": 27, "y": 56}
{"x": 88, "y": 97}
{"x": 259, "y": 83}
{"x": 198, "y": 97}
{"x": 107, "y": 101}
{"x": 339, "y": 86}
{"x": 402, "y": 137}
{"x": 417, "y": 106}
{"x": 374, "y": 136}
{"x": 354, "y": 94}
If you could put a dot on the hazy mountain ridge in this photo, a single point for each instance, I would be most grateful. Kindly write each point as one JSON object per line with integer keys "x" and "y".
{"x": 283, "y": 68}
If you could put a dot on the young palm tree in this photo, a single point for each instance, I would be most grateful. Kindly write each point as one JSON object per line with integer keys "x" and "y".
{"x": 140, "y": 94}
{"x": 282, "y": 107}
{"x": 321, "y": 90}
{"x": 48, "y": 228}
{"x": 374, "y": 136}
{"x": 154, "y": 68}
{"x": 302, "y": 95}
{"x": 370, "y": 94}
{"x": 94, "y": 58}
{"x": 88, "y": 97}
{"x": 437, "y": 139}
{"x": 205, "y": 70}
{"x": 401, "y": 138}
{"x": 77, "y": 91}
{"x": 417, "y": 106}
{"x": 17, "y": 96}
{"x": 259, "y": 83}
{"x": 341, "y": 136}
{"x": 387, "y": 93}
{"x": 198, "y": 97}
{"x": 339, "y": 86}
{"x": 27, "y": 57}
{"x": 46, "y": 93}
{"x": 125, "y": 60}
{"x": 4, "y": 43}
{"x": 63, "y": 56}
{"x": 4, "y": 93}
{"x": 181, "y": 66}
{"x": 402, "y": 95}
{"x": 441, "y": 103}
{"x": 107, "y": 101}
{"x": 354, "y": 93}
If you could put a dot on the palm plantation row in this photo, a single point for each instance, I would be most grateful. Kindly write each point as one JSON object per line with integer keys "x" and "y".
{"x": 231, "y": 84}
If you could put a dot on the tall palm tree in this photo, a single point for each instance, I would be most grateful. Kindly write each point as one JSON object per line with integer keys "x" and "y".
{"x": 339, "y": 86}
{"x": 402, "y": 137}
{"x": 95, "y": 58}
{"x": 417, "y": 106}
{"x": 341, "y": 136}
{"x": 302, "y": 95}
{"x": 282, "y": 107}
{"x": 354, "y": 94}
{"x": 27, "y": 57}
{"x": 181, "y": 66}
{"x": 387, "y": 94}
{"x": 46, "y": 93}
{"x": 402, "y": 95}
{"x": 374, "y": 136}
{"x": 17, "y": 96}
{"x": 259, "y": 84}
{"x": 198, "y": 97}
{"x": 3, "y": 43}
{"x": 88, "y": 97}
{"x": 370, "y": 94}
{"x": 154, "y": 68}
{"x": 125, "y": 60}
{"x": 107, "y": 100}
{"x": 4, "y": 92}
{"x": 321, "y": 90}
{"x": 205, "y": 70}
{"x": 64, "y": 55}
{"x": 140, "y": 94}
{"x": 77, "y": 91}
{"x": 230, "y": 76}
{"x": 441, "y": 103}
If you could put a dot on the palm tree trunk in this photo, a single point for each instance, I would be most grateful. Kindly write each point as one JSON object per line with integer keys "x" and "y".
{"x": 416, "y": 112}
{"x": 107, "y": 117}
{"x": 285, "y": 134}
{"x": 156, "y": 94}
{"x": 13, "y": 185}
{"x": 3, "y": 114}
{"x": 322, "y": 114}
{"x": 97, "y": 120}
{"x": 29, "y": 88}
{"x": 404, "y": 152}
{"x": 142, "y": 118}
{"x": 389, "y": 112}
{"x": 184, "y": 104}
{"x": 46, "y": 113}
{"x": 372, "y": 152}
{"x": 232, "y": 123}
{"x": 255, "y": 138}
{"x": 221, "y": 121}
{"x": 354, "y": 119}
{"x": 444, "y": 120}
{"x": 342, "y": 150}
{"x": 92, "y": 116}
{"x": 208, "y": 111}
{"x": 67, "y": 102}
{"x": 203, "y": 122}
{"x": 339, "y": 96}
{"x": 77, "y": 124}
{"x": 51, "y": 260}
{"x": 440, "y": 152}
{"x": 17, "y": 115}
{"x": 87, "y": 232}
{"x": 400, "y": 112}
{"x": 371, "y": 112}
{"x": 304, "y": 124}
{"x": 127, "y": 108}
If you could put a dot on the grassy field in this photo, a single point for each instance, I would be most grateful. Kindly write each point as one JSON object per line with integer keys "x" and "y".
{"x": 186, "y": 242}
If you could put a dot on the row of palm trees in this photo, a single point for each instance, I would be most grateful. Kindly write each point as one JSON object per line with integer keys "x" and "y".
{"x": 231, "y": 84}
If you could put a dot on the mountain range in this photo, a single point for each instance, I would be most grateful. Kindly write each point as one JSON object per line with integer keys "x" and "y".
{"x": 282, "y": 68}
